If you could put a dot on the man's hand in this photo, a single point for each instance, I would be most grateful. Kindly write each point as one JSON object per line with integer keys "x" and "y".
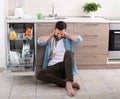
{"x": 66, "y": 35}
{"x": 52, "y": 34}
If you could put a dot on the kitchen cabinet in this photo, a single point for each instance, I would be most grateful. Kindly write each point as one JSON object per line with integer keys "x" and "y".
{"x": 93, "y": 51}
{"x": 41, "y": 29}
{"x": 94, "y": 48}
{"x": 20, "y": 48}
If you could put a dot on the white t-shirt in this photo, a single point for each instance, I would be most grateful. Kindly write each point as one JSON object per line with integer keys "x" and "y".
{"x": 59, "y": 52}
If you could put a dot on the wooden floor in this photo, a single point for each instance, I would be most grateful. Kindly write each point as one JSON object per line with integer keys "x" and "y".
{"x": 95, "y": 84}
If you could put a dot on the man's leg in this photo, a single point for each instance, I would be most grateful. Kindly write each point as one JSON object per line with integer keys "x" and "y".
{"x": 51, "y": 75}
{"x": 68, "y": 66}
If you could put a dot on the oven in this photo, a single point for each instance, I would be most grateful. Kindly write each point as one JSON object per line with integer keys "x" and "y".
{"x": 114, "y": 41}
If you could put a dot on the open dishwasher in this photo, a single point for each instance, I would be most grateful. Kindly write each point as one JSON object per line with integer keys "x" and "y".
{"x": 20, "y": 49}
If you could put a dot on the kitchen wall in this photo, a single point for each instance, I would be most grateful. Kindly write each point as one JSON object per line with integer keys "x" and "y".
{"x": 2, "y": 36}
{"x": 65, "y": 7}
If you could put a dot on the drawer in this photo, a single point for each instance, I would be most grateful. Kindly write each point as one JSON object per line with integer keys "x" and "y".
{"x": 91, "y": 48}
{"x": 90, "y": 59}
{"x": 95, "y": 37}
{"x": 94, "y": 41}
{"x": 91, "y": 28}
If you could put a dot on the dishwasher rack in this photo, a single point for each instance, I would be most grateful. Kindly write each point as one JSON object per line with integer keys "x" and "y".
{"x": 16, "y": 38}
{"x": 22, "y": 61}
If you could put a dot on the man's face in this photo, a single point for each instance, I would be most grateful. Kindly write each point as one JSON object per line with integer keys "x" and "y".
{"x": 59, "y": 34}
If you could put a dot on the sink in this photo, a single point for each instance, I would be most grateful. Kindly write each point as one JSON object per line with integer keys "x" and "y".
{"x": 54, "y": 18}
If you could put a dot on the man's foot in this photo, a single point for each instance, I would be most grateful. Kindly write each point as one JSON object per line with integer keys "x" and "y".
{"x": 76, "y": 85}
{"x": 70, "y": 89}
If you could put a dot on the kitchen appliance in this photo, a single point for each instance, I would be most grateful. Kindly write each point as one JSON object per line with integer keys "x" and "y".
{"x": 114, "y": 41}
{"x": 20, "y": 52}
{"x": 18, "y": 10}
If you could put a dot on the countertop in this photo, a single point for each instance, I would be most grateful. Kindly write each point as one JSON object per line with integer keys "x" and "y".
{"x": 113, "y": 19}
{"x": 67, "y": 19}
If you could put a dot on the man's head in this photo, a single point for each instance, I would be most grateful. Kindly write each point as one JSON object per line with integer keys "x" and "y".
{"x": 60, "y": 29}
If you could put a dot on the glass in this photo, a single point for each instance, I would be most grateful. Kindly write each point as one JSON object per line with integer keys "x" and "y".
{"x": 39, "y": 16}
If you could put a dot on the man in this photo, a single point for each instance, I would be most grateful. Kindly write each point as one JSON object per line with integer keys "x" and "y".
{"x": 58, "y": 65}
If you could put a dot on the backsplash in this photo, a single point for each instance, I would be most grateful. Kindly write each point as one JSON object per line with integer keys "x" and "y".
{"x": 64, "y": 7}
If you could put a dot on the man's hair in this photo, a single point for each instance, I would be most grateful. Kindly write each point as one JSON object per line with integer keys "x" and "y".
{"x": 60, "y": 25}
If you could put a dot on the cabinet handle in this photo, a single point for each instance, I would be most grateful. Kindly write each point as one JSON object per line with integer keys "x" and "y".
{"x": 91, "y": 24}
{"x": 89, "y": 46}
{"x": 90, "y": 35}
{"x": 89, "y": 56}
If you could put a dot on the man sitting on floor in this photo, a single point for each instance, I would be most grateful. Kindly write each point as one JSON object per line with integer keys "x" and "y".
{"x": 59, "y": 65}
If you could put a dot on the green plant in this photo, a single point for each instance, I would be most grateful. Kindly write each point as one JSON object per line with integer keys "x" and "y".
{"x": 91, "y": 7}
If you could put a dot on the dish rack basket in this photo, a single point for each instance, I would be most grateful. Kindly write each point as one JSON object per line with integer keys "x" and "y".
{"x": 22, "y": 35}
{"x": 26, "y": 61}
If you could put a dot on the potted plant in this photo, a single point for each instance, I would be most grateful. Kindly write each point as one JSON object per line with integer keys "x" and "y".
{"x": 91, "y": 8}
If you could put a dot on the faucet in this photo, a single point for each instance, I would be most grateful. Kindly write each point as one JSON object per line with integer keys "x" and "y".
{"x": 53, "y": 12}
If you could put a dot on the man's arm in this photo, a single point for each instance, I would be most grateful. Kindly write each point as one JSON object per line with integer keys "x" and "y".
{"x": 73, "y": 37}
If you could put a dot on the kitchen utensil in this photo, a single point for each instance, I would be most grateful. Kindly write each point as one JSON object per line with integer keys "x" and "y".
{"x": 14, "y": 57}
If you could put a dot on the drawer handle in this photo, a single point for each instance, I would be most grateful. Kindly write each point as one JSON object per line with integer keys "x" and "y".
{"x": 89, "y": 46}
{"x": 91, "y": 35}
{"x": 89, "y": 56}
{"x": 91, "y": 24}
